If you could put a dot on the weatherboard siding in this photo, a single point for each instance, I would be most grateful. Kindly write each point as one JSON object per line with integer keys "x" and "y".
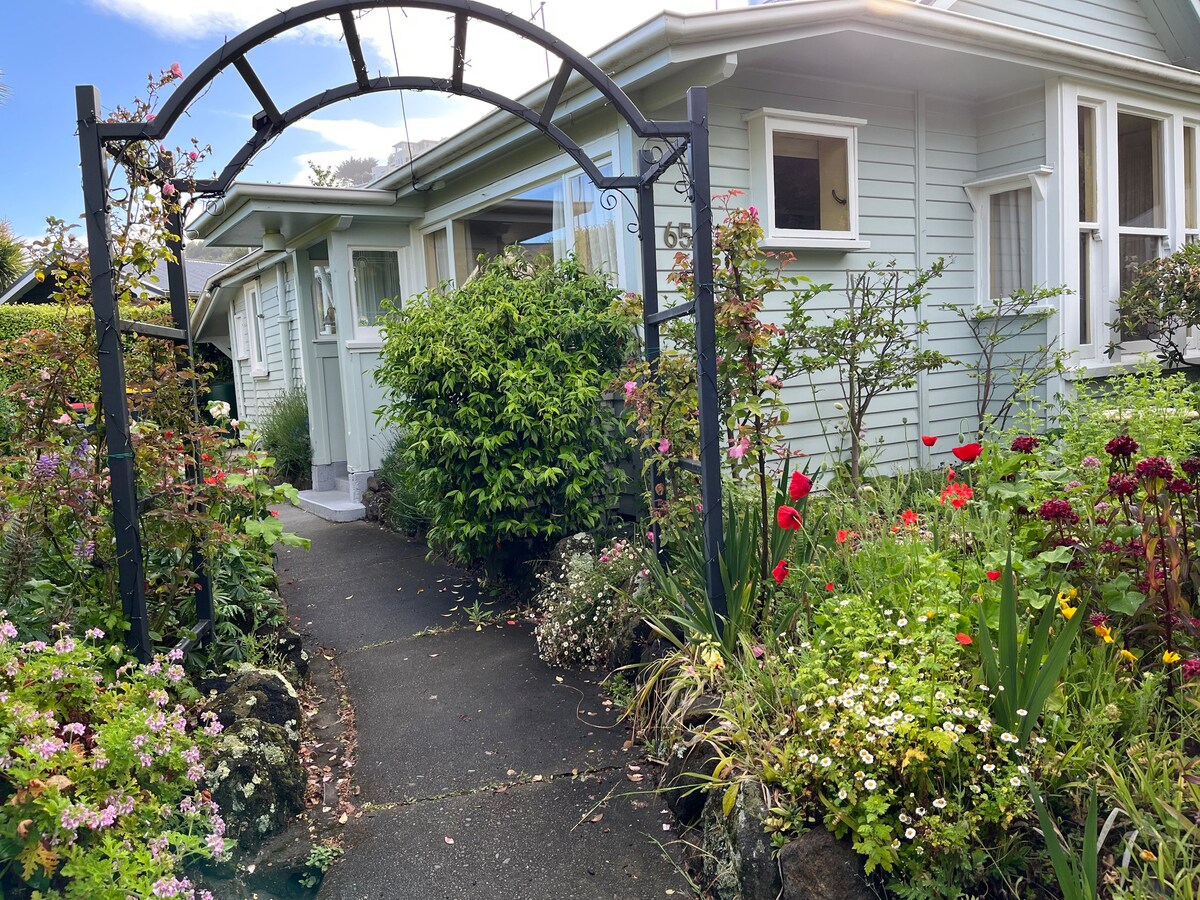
{"x": 1119, "y": 25}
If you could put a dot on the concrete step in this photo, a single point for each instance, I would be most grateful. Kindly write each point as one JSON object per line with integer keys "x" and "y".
{"x": 333, "y": 506}
{"x": 342, "y": 483}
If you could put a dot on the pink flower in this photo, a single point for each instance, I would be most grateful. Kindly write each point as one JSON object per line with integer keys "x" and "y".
{"x": 176, "y": 70}
{"x": 738, "y": 450}
{"x": 630, "y": 387}
{"x": 168, "y": 189}
{"x": 64, "y": 419}
{"x": 650, "y": 536}
{"x": 193, "y": 155}
{"x": 664, "y": 446}
{"x": 753, "y": 210}
{"x": 773, "y": 381}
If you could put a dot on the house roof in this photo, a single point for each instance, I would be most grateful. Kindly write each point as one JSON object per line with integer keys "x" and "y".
{"x": 673, "y": 39}
{"x": 197, "y": 272}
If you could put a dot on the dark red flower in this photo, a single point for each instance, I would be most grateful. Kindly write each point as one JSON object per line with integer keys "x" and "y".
{"x": 1155, "y": 467}
{"x": 1190, "y": 668}
{"x": 929, "y": 439}
{"x": 788, "y": 518}
{"x": 1121, "y": 445}
{"x": 1058, "y": 510}
{"x": 1097, "y": 619}
{"x": 968, "y": 452}
{"x": 1122, "y": 485}
{"x": 800, "y": 487}
{"x": 993, "y": 576}
{"x": 1180, "y": 486}
{"x": 780, "y": 571}
{"x": 1025, "y": 443}
{"x": 1191, "y": 466}
{"x": 964, "y": 639}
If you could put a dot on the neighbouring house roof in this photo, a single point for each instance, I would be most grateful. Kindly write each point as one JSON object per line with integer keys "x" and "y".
{"x": 27, "y": 289}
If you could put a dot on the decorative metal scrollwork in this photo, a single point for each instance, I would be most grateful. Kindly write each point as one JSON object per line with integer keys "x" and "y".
{"x": 608, "y": 201}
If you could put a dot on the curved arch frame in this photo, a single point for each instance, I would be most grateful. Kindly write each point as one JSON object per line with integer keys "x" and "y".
{"x": 97, "y": 138}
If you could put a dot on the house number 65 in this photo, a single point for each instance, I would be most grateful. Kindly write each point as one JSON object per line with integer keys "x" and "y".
{"x": 677, "y": 235}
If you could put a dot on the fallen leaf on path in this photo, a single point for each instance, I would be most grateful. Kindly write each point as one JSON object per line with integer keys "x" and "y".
{"x": 351, "y": 597}
{"x": 558, "y": 678}
{"x": 597, "y": 817}
{"x": 449, "y": 840}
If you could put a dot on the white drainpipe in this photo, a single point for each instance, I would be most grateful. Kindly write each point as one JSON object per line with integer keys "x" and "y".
{"x": 285, "y": 325}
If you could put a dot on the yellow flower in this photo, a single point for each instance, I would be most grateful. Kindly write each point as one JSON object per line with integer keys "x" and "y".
{"x": 1068, "y": 611}
{"x": 40, "y": 276}
{"x": 1148, "y": 856}
{"x": 1170, "y": 656}
{"x": 1103, "y": 631}
{"x": 712, "y": 658}
{"x": 1126, "y": 656}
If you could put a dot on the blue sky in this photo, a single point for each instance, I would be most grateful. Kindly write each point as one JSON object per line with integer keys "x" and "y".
{"x": 48, "y": 47}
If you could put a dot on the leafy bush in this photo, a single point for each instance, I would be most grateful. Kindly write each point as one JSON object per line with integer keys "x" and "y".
{"x": 1162, "y": 304}
{"x": 589, "y": 615}
{"x": 498, "y": 386}
{"x": 405, "y": 509}
{"x": 285, "y": 436}
{"x": 101, "y": 782}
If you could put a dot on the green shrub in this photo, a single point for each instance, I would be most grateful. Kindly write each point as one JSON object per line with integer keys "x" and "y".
{"x": 405, "y": 509}
{"x": 498, "y": 385}
{"x": 284, "y": 433}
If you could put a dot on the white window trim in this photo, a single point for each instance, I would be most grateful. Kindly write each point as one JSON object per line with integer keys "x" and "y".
{"x": 762, "y": 125}
{"x": 241, "y": 332}
{"x": 256, "y": 330}
{"x": 980, "y": 193}
{"x": 1108, "y": 104}
{"x": 367, "y": 336}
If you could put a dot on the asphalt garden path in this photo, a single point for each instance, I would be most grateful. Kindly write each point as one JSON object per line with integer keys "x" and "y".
{"x": 484, "y": 773}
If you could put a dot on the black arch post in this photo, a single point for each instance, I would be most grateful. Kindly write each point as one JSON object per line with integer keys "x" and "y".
{"x": 678, "y": 136}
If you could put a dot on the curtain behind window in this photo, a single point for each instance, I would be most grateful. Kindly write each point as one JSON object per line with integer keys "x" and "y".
{"x": 594, "y": 228}
{"x": 376, "y": 276}
{"x": 1011, "y": 239}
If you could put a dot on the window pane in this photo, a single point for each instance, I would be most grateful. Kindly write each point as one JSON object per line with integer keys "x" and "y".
{"x": 1087, "y": 164}
{"x": 376, "y": 276}
{"x": 1189, "y": 177}
{"x": 812, "y": 182}
{"x": 437, "y": 258}
{"x": 525, "y": 220}
{"x": 322, "y": 293}
{"x": 1139, "y": 171}
{"x": 1010, "y": 233}
{"x": 594, "y": 228}
{"x": 1136, "y": 249}
{"x": 1085, "y": 287}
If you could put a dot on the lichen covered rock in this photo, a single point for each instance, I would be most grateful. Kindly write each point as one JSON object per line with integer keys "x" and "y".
{"x": 260, "y": 694}
{"x": 256, "y": 779}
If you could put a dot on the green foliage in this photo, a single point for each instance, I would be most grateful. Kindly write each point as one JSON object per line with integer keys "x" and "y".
{"x": 102, "y": 777}
{"x": 1024, "y": 665}
{"x": 13, "y": 260}
{"x": 1157, "y": 410}
{"x": 405, "y": 509}
{"x": 1162, "y": 304}
{"x": 874, "y": 342}
{"x": 498, "y": 386}
{"x": 285, "y": 436}
{"x": 589, "y": 615}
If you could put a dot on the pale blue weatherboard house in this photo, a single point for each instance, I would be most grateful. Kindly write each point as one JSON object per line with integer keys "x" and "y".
{"x": 1036, "y": 142}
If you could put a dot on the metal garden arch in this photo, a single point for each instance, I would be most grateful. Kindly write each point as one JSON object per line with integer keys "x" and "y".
{"x": 97, "y": 138}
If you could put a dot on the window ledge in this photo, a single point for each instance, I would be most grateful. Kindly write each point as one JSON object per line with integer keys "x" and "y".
{"x": 363, "y": 344}
{"x": 988, "y": 308}
{"x": 260, "y": 373}
{"x": 807, "y": 244}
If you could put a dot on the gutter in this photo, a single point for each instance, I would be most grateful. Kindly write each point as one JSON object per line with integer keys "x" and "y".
{"x": 256, "y": 262}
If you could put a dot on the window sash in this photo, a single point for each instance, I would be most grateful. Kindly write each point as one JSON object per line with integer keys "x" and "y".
{"x": 1010, "y": 242}
{"x": 375, "y": 276}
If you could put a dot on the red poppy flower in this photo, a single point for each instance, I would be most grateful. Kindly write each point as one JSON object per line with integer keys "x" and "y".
{"x": 951, "y": 475}
{"x": 829, "y": 585}
{"x": 964, "y": 639}
{"x": 780, "y": 571}
{"x": 929, "y": 439}
{"x": 788, "y": 518}
{"x": 968, "y": 452}
{"x": 842, "y": 535}
{"x": 909, "y": 517}
{"x": 800, "y": 487}
{"x": 993, "y": 576}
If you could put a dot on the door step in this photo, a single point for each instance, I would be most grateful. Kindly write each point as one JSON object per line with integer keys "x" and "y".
{"x": 333, "y": 506}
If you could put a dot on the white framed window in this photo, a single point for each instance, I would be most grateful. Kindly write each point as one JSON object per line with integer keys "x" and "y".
{"x": 256, "y": 338}
{"x": 1131, "y": 183}
{"x": 804, "y": 178}
{"x": 438, "y": 270}
{"x": 374, "y": 277}
{"x": 1010, "y": 233}
{"x": 324, "y": 313}
{"x": 241, "y": 333}
{"x": 565, "y": 214}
